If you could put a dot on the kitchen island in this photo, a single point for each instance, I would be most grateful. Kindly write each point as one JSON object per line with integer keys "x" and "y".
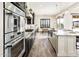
{"x": 64, "y": 43}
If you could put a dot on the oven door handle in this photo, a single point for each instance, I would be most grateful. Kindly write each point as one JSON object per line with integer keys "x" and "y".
{"x": 8, "y": 46}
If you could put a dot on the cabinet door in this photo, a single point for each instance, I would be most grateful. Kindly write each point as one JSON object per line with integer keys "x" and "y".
{"x": 26, "y": 47}
{"x": 62, "y": 46}
{"x": 56, "y": 44}
{"x": 71, "y": 46}
{"x": 53, "y": 40}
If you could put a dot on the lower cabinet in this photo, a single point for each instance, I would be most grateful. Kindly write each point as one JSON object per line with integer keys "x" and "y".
{"x": 30, "y": 43}
{"x": 54, "y": 42}
{"x": 28, "y": 46}
{"x": 64, "y": 45}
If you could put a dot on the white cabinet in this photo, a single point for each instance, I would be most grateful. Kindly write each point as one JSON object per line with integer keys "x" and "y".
{"x": 71, "y": 45}
{"x": 64, "y": 45}
{"x": 55, "y": 42}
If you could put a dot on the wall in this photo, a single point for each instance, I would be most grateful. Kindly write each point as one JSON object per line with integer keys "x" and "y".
{"x": 73, "y": 10}
{"x": 1, "y": 29}
{"x": 52, "y": 20}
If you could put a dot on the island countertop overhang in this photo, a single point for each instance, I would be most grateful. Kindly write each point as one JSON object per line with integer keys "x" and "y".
{"x": 66, "y": 33}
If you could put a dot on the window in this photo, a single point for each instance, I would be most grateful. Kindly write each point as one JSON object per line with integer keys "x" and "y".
{"x": 45, "y": 23}
{"x": 60, "y": 23}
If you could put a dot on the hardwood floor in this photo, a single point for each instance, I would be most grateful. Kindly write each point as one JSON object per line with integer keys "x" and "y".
{"x": 42, "y": 47}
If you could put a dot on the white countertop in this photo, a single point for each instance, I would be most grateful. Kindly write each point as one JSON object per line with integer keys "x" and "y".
{"x": 28, "y": 34}
{"x": 62, "y": 32}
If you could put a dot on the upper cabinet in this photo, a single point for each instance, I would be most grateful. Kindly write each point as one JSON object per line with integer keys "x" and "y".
{"x": 21, "y": 5}
{"x": 11, "y": 7}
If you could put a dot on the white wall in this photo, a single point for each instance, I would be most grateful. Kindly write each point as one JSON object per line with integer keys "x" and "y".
{"x": 52, "y": 20}
{"x": 1, "y": 29}
{"x": 73, "y": 10}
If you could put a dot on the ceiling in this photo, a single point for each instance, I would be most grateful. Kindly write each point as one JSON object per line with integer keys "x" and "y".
{"x": 48, "y": 8}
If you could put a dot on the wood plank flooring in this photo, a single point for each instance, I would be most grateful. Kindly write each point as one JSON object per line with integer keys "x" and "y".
{"x": 42, "y": 47}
